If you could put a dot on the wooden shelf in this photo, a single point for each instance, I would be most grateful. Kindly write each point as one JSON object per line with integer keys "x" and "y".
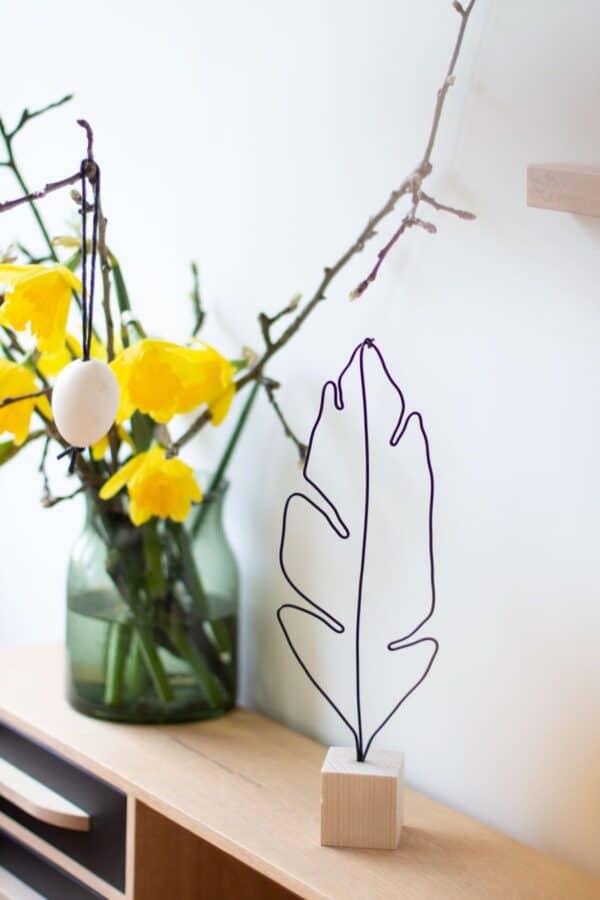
{"x": 250, "y": 788}
{"x": 566, "y": 188}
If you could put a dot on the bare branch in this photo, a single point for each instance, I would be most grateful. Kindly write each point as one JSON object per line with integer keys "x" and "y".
{"x": 46, "y": 492}
{"x": 90, "y": 136}
{"x": 425, "y": 167}
{"x": 49, "y": 501}
{"x": 105, "y": 268}
{"x": 449, "y": 81}
{"x": 27, "y": 116}
{"x": 411, "y": 186}
{"x": 11, "y": 163}
{"x": 190, "y": 432}
{"x": 15, "y": 344}
{"x": 8, "y": 401}
{"x": 270, "y": 387}
{"x": 92, "y": 171}
{"x": 442, "y": 207}
{"x": 429, "y": 227}
{"x": 406, "y": 222}
{"x": 37, "y": 195}
{"x": 196, "y": 298}
{"x": 266, "y": 322}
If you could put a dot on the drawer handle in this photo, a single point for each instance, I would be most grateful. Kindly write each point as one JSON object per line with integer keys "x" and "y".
{"x": 40, "y": 801}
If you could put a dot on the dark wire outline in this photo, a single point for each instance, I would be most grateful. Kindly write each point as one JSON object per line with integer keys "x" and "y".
{"x": 335, "y": 521}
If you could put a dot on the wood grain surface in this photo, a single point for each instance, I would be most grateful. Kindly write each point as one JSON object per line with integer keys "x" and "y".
{"x": 250, "y": 788}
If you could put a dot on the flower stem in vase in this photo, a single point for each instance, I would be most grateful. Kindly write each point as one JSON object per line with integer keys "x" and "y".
{"x": 225, "y": 459}
{"x": 137, "y": 677}
{"x": 216, "y": 628}
{"x": 125, "y": 571}
{"x": 117, "y": 648}
{"x": 153, "y": 663}
{"x": 155, "y": 579}
{"x": 216, "y": 694}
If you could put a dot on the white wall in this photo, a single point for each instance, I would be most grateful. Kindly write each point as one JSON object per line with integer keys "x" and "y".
{"x": 259, "y": 137}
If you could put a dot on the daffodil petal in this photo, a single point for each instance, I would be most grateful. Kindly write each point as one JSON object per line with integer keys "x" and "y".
{"x": 16, "y": 380}
{"x": 138, "y": 513}
{"x": 162, "y": 379}
{"x": 220, "y": 407}
{"x": 118, "y": 481}
{"x": 40, "y": 297}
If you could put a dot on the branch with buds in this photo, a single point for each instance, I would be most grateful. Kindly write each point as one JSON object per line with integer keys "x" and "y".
{"x": 412, "y": 186}
{"x": 270, "y": 387}
{"x": 8, "y": 401}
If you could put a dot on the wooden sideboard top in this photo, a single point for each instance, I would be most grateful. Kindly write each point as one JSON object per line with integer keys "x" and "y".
{"x": 251, "y": 787}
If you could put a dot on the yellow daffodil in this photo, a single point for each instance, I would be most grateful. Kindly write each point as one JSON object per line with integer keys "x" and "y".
{"x": 50, "y": 364}
{"x": 16, "y": 380}
{"x": 162, "y": 379}
{"x": 38, "y": 296}
{"x": 156, "y": 486}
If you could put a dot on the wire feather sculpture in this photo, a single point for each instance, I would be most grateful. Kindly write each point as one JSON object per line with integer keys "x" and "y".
{"x": 357, "y": 534}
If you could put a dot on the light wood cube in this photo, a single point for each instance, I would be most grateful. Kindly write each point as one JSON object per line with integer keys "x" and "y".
{"x": 361, "y": 803}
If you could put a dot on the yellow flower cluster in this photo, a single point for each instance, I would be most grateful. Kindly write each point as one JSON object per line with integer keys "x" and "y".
{"x": 163, "y": 379}
{"x": 158, "y": 378}
{"x": 157, "y": 487}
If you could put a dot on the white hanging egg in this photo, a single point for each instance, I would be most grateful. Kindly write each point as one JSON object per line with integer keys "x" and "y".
{"x": 85, "y": 400}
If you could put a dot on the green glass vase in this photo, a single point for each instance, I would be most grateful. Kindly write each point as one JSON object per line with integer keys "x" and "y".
{"x": 152, "y": 616}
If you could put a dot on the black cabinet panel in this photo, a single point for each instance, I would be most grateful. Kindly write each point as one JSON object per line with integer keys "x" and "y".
{"x": 39, "y": 874}
{"x": 102, "y": 849}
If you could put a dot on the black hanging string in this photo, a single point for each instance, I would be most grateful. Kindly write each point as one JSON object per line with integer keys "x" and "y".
{"x": 89, "y": 170}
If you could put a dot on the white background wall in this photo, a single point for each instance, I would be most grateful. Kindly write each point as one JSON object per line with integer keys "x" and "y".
{"x": 258, "y": 137}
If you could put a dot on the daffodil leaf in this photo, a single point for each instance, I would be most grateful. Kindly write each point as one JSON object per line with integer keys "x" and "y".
{"x": 120, "y": 286}
{"x": 357, "y": 548}
{"x": 74, "y": 261}
{"x": 142, "y": 431}
{"x": 8, "y": 449}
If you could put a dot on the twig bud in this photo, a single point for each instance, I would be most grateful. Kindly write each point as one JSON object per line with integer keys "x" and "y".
{"x": 66, "y": 240}
{"x": 9, "y": 256}
{"x": 250, "y": 355}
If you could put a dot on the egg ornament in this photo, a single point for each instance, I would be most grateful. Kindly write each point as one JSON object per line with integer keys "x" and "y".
{"x": 85, "y": 400}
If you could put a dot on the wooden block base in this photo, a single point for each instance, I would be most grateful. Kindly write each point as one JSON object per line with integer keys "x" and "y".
{"x": 361, "y": 803}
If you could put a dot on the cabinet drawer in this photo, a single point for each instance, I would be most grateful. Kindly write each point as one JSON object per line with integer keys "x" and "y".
{"x": 48, "y": 882}
{"x": 101, "y": 849}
